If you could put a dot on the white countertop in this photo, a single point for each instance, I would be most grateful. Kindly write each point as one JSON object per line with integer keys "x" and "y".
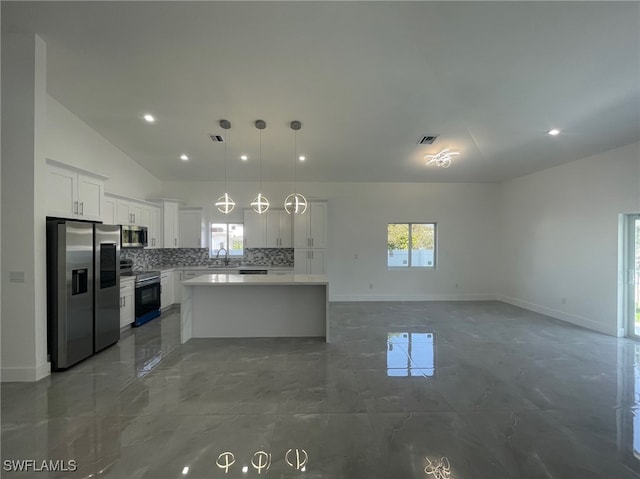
{"x": 257, "y": 279}
{"x": 126, "y": 279}
{"x": 223, "y": 268}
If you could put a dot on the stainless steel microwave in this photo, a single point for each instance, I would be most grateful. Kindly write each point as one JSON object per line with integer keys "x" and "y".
{"x": 133, "y": 236}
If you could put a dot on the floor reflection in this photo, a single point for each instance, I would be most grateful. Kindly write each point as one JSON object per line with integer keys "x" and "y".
{"x": 517, "y": 396}
{"x": 410, "y": 354}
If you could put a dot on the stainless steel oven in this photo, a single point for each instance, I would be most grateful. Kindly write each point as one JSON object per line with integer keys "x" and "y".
{"x": 147, "y": 292}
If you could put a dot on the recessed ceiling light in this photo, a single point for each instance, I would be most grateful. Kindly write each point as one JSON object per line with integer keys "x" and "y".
{"x": 554, "y": 132}
{"x": 184, "y": 157}
{"x": 185, "y": 470}
{"x": 149, "y": 118}
{"x": 302, "y": 158}
{"x": 244, "y": 157}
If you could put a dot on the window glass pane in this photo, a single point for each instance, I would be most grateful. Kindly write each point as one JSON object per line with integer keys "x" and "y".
{"x": 422, "y": 245}
{"x": 236, "y": 239}
{"x": 218, "y": 237}
{"x": 229, "y": 236}
{"x": 398, "y": 244}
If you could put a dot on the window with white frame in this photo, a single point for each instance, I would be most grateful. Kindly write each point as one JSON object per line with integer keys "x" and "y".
{"x": 227, "y": 236}
{"x": 411, "y": 245}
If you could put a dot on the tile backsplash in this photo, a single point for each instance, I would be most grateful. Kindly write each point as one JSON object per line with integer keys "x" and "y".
{"x": 154, "y": 258}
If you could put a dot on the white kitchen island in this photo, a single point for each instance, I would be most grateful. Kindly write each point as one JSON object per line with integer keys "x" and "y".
{"x": 255, "y": 306}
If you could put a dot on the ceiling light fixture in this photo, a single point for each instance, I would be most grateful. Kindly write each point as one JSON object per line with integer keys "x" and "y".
{"x": 441, "y": 159}
{"x": 149, "y": 118}
{"x": 260, "y": 203}
{"x": 244, "y": 157}
{"x": 225, "y": 204}
{"x": 184, "y": 157}
{"x": 554, "y": 132}
{"x": 295, "y": 203}
{"x": 302, "y": 158}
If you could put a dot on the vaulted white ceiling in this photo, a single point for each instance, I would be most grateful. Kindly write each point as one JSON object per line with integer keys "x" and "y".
{"x": 366, "y": 79}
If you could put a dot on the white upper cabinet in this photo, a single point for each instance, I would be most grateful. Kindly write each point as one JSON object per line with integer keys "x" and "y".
{"x": 130, "y": 212}
{"x": 74, "y": 193}
{"x": 170, "y": 224}
{"x": 310, "y": 228}
{"x": 267, "y": 230}
{"x": 255, "y": 229}
{"x": 191, "y": 228}
{"x": 155, "y": 226}
{"x": 110, "y": 215}
{"x": 278, "y": 233}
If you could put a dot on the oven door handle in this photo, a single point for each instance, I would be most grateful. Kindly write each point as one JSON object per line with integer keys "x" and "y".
{"x": 146, "y": 282}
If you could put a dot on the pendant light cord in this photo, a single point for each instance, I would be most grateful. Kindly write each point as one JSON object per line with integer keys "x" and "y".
{"x": 295, "y": 163}
{"x": 260, "y": 192}
{"x": 225, "y": 162}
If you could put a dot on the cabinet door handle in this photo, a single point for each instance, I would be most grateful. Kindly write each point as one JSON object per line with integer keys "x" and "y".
{"x": 124, "y": 301}
{"x": 75, "y": 207}
{"x": 134, "y": 217}
{"x": 175, "y": 241}
{"x": 312, "y": 242}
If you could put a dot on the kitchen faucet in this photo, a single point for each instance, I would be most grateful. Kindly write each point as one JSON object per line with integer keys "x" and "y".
{"x": 226, "y": 255}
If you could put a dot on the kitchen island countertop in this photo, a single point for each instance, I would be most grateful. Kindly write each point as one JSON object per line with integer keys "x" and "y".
{"x": 256, "y": 279}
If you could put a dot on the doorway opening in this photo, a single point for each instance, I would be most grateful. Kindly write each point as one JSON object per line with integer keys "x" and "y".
{"x": 632, "y": 276}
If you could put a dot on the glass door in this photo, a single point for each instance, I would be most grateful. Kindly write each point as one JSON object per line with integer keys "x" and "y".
{"x": 633, "y": 275}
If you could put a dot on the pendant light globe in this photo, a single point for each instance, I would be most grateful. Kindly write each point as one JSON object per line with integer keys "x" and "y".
{"x": 225, "y": 204}
{"x": 295, "y": 203}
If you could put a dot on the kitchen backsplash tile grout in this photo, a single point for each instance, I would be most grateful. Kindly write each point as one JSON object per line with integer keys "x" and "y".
{"x": 153, "y": 258}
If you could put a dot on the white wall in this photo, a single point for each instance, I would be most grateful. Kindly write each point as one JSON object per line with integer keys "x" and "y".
{"x": 24, "y": 346}
{"x": 71, "y": 141}
{"x": 560, "y": 237}
{"x": 358, "y": 214}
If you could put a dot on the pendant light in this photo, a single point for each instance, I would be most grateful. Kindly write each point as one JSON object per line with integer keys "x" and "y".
{"x": 260, "y": 204}
{"x": 295, "y": 203}
{"x": 225, "y": 204}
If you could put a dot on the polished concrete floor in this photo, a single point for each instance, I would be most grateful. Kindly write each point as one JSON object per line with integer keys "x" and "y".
{"x": 463, "y": 390}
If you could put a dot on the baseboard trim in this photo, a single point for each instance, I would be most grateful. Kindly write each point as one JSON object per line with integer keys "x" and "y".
{"x": 413, "y": 297}
{"x": 25, "y": 374}
{"x": 562, "y": 316}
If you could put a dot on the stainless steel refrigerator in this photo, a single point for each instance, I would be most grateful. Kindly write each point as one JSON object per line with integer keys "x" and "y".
{"x": 83, "y": 289}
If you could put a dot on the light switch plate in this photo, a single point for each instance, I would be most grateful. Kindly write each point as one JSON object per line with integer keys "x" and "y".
{"x": 16, "y": 276}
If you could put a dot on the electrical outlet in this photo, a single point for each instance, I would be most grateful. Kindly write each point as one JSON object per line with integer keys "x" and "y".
{"x": 370, "y": 285}
{"x": 563, "y": 300}
{"x": 355, "y": 256}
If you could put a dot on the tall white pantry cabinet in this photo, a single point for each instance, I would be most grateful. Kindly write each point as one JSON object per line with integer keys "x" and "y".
{"x": 310, "y": 239}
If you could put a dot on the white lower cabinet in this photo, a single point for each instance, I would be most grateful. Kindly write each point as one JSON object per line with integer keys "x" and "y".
{"x": 166, "y": 289}
{"x": 127, "y": 303}
{"x": 309, "y": 261}
{"x": 177, "y": 286}
{"x": 192, "y": 274}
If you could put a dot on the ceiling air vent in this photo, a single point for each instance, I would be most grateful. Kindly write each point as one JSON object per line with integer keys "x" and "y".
{"x": 217, "y": 138}
{"x": 427, "y": 140}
